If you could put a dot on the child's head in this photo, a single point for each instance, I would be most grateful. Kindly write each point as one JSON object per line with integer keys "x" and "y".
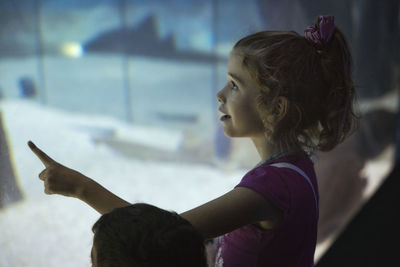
{"x": 142, "y": 235}
{"x": 305, "y": 88}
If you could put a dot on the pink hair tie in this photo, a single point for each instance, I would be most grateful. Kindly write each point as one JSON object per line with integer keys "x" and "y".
{"x": 321, "y": 35}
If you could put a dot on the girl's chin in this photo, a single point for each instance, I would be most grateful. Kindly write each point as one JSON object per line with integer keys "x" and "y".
{"x": 229, "y": 132}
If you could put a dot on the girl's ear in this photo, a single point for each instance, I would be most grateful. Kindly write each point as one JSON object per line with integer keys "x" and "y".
{"x": 278, "y": 111}
{"x": 281, "y": 108}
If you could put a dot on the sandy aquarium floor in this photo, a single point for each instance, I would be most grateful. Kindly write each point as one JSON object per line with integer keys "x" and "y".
{"x": 45, "y": 230}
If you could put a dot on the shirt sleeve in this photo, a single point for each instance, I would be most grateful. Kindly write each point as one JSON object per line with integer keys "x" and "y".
{"x": 268, "y": 182}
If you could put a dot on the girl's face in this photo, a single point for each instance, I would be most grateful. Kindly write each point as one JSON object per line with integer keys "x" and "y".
{"x": 238, "y": 101}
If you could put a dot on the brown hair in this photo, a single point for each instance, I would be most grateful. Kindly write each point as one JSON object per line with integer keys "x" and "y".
{"x": 143, "y": 235}
{"x": 317, "y": 83}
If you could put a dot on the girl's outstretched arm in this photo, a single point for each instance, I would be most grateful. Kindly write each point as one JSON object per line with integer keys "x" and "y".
{"x": 237, "y": 208}
{"x": 59, "y": 179}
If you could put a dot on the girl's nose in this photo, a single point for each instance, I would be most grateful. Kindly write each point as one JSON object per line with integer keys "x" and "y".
{"x": 220, "y": 97}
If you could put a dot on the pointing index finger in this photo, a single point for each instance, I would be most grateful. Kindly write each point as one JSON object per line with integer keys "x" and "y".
{"x": 44, "y": 158}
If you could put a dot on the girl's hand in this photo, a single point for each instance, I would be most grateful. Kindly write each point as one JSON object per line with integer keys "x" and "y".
{"x": 57, "y": 178}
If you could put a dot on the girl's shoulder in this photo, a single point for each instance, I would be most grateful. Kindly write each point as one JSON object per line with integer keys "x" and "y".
{"x": 267, "y": 175}
{"x": 301, "y": 161}
{"x": 282, "y": 185}
{"x": 281, "y": 175}
{"x": 275, "y": 184}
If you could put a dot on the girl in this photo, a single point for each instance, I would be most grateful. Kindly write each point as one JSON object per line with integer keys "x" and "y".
{"x": 291, "y": 95}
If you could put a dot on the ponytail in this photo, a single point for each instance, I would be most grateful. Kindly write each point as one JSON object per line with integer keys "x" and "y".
{"x": 339, "y": 119}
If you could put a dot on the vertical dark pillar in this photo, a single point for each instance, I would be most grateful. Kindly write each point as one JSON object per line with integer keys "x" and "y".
{"x": 9, "y": 191}
{"x": 125, "y": 68}
{"x": 40, "y": 52}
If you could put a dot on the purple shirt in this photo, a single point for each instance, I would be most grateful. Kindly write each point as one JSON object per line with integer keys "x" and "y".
{"x": 293, "y": 242}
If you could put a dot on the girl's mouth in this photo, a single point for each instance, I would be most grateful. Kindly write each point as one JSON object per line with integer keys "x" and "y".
{"x": 225, "y": 117}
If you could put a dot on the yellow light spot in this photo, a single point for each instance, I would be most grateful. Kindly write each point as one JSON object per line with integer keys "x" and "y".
{"x": 72, "y": 49}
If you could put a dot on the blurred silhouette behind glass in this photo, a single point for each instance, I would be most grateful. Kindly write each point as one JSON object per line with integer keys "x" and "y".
{"x": 340, "y": 176}
{"x": 27, "y": 88}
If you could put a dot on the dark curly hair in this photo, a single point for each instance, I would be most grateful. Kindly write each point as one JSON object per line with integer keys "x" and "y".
{"x": 142, "y": 235}
{"x": 317, "y": 82}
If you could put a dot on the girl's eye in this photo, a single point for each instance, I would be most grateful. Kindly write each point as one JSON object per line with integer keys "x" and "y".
{"x": 234, "y": 86}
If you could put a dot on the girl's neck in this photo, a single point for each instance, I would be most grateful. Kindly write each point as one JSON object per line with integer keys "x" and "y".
{"x": 264, "y": 148}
